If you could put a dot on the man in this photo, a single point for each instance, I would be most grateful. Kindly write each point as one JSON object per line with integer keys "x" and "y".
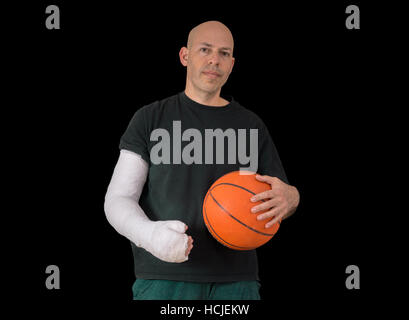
{"x": 156, "y": 193}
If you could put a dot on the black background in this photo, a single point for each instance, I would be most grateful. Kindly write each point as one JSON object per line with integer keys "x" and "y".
{"x": 321, "y": 89}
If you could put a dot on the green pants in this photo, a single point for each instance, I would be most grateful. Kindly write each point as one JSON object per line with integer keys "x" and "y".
{"x": 178, "y": 290}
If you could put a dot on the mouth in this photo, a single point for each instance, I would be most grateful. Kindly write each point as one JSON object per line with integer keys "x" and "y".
{"x": 212, "y": 75}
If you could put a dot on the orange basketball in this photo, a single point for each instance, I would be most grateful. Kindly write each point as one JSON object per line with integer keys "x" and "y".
{"x": 227, "y": 212}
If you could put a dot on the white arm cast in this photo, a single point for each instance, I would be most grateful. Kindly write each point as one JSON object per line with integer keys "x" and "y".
{"x": 166, "y": 240}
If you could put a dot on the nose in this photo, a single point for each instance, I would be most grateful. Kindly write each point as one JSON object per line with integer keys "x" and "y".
{"x": 214, "y": 59}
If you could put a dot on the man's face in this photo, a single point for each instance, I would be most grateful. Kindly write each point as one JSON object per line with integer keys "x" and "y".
{"x": 209, "y": 61}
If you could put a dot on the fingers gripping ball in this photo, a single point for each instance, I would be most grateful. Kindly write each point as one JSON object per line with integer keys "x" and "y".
{"x": 227, "y": 212}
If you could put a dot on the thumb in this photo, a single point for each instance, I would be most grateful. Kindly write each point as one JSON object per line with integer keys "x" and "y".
{"x": 177, "y": 226}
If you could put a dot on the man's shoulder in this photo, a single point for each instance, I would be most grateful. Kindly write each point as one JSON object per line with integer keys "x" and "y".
{"x": 160, "y": 103}
{"x": 247, "y": 112}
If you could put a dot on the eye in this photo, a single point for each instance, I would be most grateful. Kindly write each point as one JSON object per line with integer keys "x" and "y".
{"x": 225, "y": 54}
{"x": 204, "y": 50}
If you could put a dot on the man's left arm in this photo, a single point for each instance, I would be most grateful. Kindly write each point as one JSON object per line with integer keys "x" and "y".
{"x": 280, "y": 201}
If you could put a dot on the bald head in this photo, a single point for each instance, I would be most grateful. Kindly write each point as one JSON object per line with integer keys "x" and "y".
{"x": 209, "y": 59}
{"x": 210, "y": 29}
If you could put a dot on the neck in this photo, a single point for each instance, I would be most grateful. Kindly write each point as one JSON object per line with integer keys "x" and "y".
{"x": 206, "y": 98}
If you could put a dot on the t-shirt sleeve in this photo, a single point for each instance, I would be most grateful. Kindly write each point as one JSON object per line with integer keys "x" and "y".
{"x": 269, "y": 160}
{"x": 136, "y": 135}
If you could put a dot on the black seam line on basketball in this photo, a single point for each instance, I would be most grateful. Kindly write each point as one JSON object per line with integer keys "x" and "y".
{"x": 264, "y": 234}
{"x": 222, "y": 241}
{"x": 235, "y": 185}
{"x": 220, "y": 238}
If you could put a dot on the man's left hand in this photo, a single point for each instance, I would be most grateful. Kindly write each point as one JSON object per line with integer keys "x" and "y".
{"x": 281, "y": 201}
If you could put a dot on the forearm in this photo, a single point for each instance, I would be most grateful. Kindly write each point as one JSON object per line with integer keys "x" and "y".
{"x": 127, "y": 217}
{"x": 295, "y": 200}
{"x": 121, "y": 205}
{"x": 166, "y": 240}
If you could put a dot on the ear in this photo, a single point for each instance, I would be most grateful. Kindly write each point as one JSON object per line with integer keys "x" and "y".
{"x": 232, "y": 64}
{"x": 183, "y": 54}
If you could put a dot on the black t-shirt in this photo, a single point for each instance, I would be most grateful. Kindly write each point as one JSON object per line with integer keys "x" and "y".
{"x": 179, "y": 179}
